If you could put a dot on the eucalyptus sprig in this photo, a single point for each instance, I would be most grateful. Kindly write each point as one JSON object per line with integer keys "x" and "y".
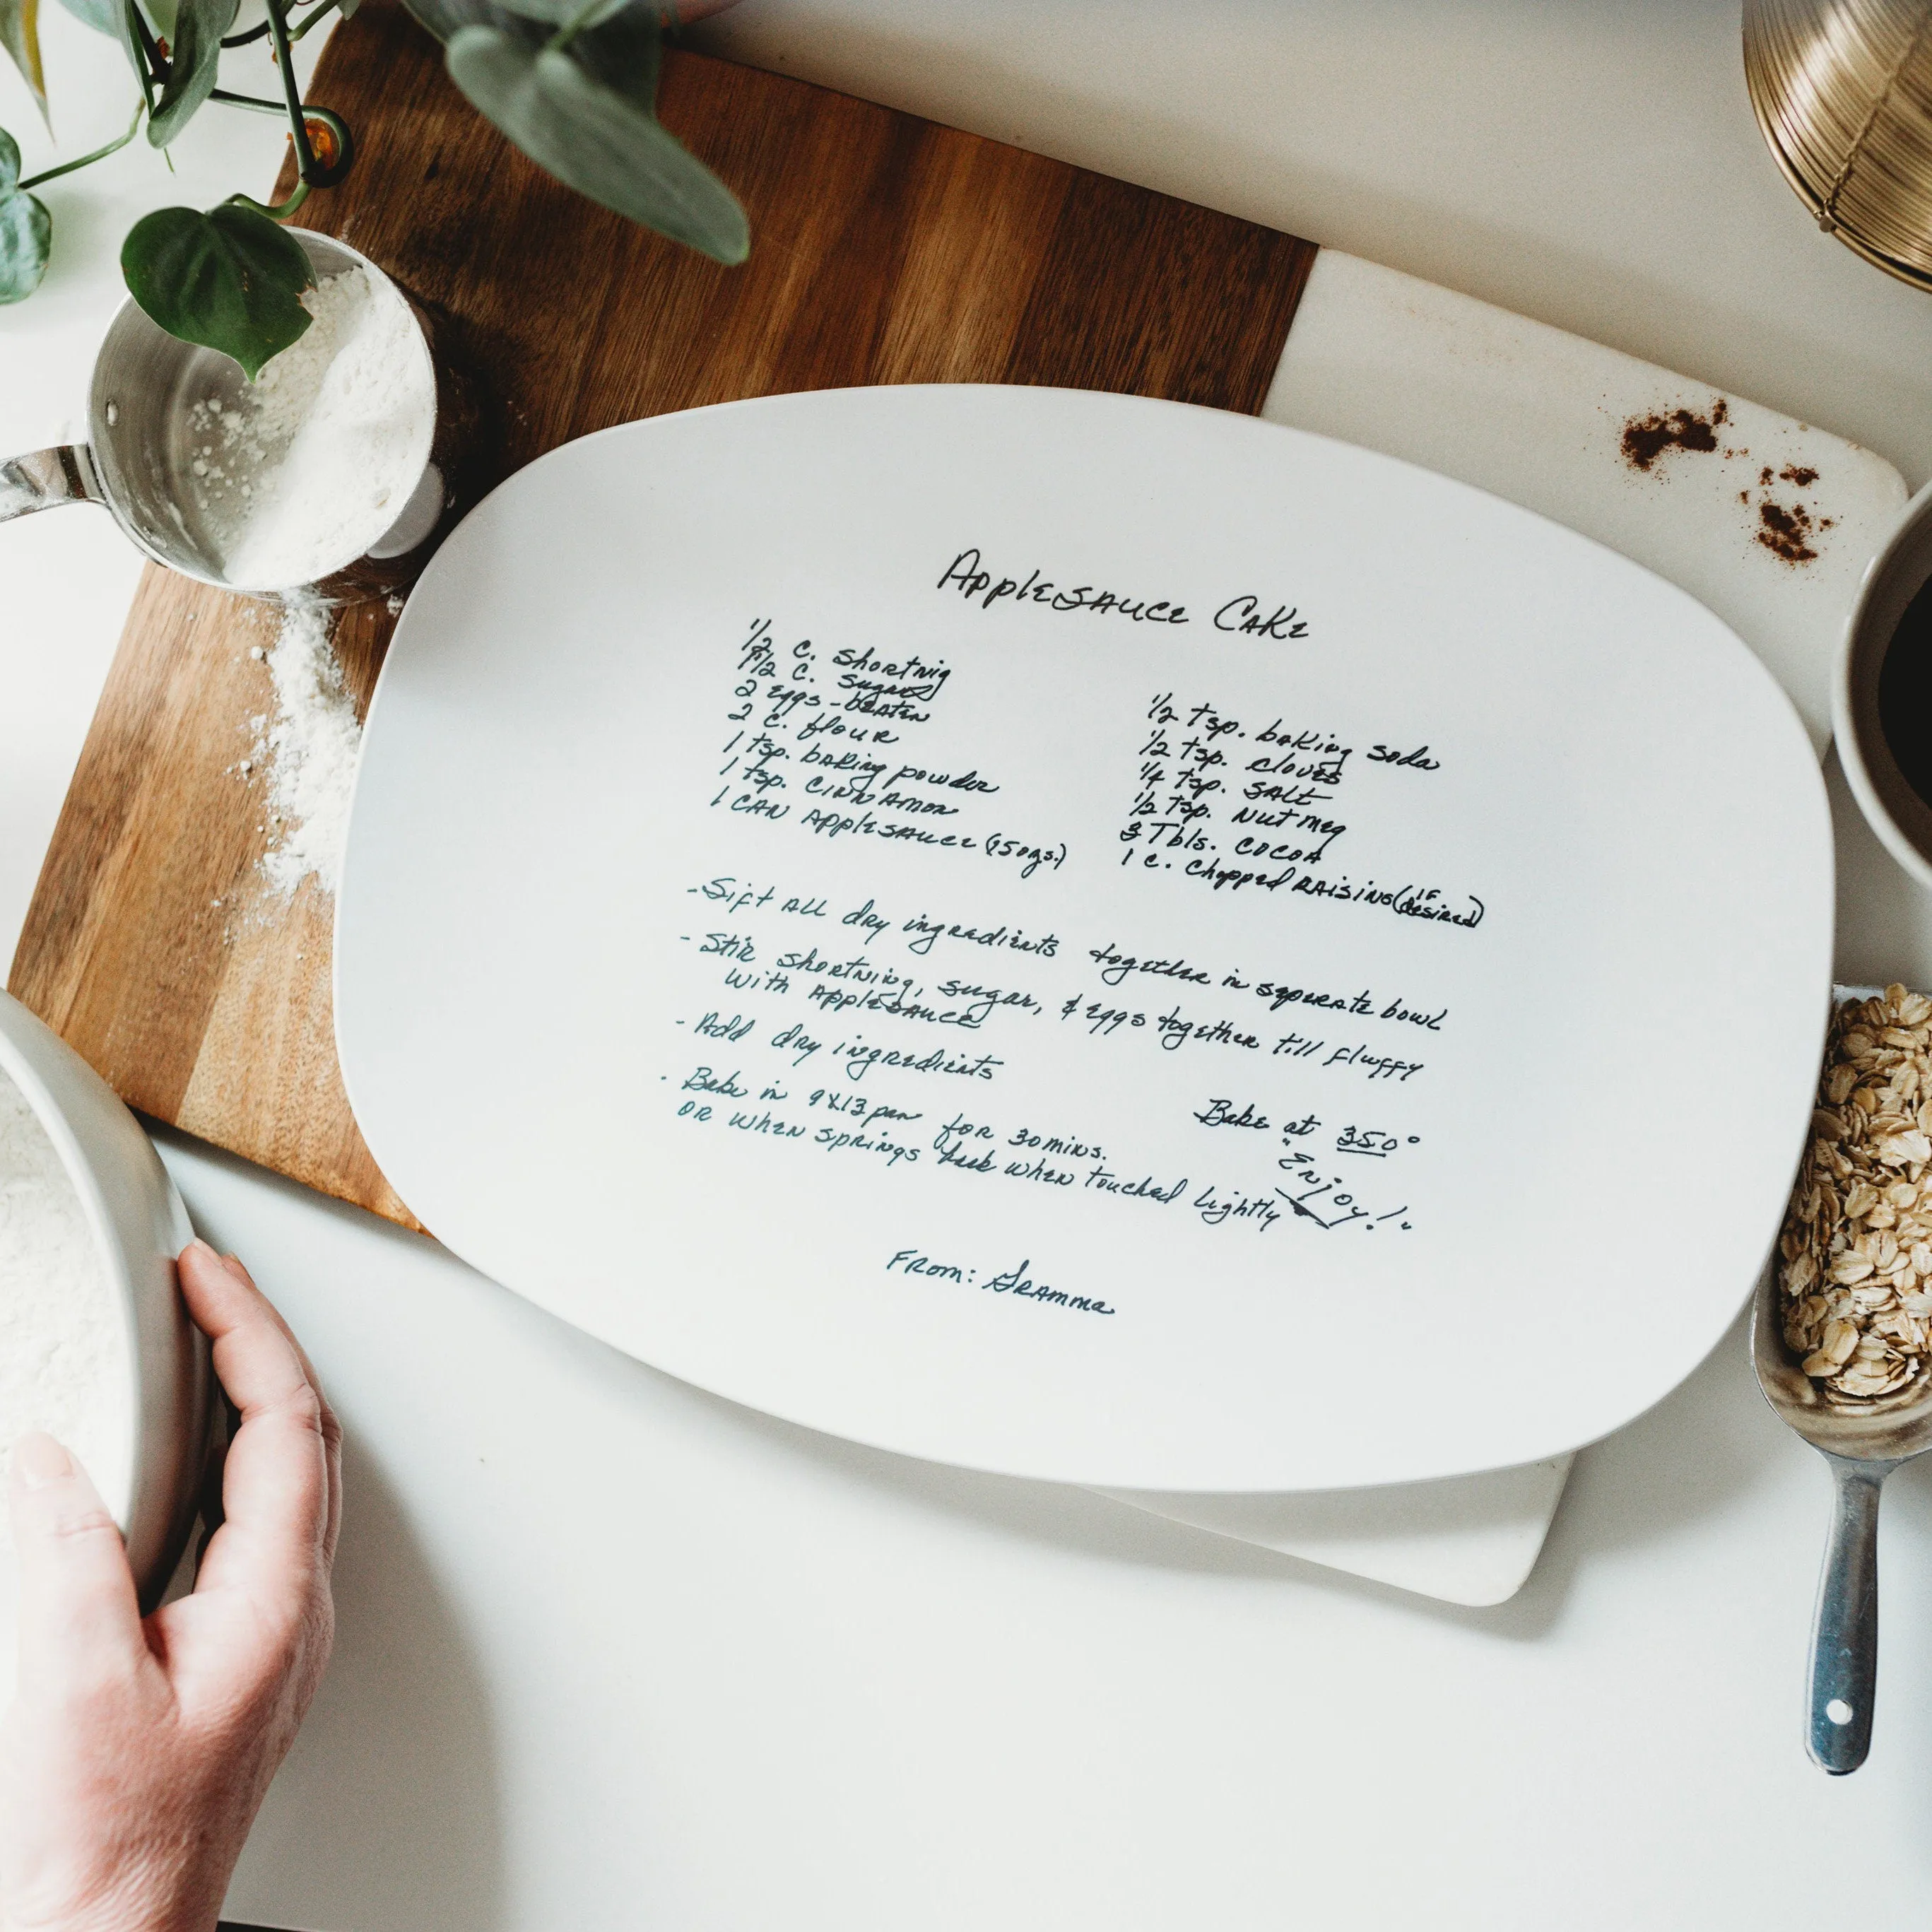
{"x": 574, "y": 83}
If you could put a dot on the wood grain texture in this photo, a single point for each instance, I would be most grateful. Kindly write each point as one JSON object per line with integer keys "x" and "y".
{"x": 885, "y": 249}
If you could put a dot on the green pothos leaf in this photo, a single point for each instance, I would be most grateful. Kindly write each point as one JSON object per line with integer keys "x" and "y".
{"x": 110, "y": 17}
{"x": 26, "y": 235}
{"x": 26, "y": 229}
{"x": 20, "y": 35}
{"x": 193, "y": 61}
{"x": 104, "y": 16}
{"x": 231, "y": 279}
{"x": 604, "y": 144}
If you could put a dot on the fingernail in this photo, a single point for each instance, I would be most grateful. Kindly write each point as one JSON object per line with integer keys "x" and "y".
{"x": 202, "y": 1247}
{"x": 41, "y": 1460}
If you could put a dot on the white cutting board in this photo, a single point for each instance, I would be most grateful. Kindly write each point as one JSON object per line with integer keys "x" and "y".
{"x": 1539, "y": 416}
{"x": 1396, "y": 364}
{"x": 1117, "y": 943}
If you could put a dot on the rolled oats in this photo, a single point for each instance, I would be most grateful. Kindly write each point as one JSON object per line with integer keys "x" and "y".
{"x": 1855, "y": 1254}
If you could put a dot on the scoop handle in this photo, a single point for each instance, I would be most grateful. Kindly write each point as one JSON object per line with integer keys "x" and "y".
{"x": 46, "y": 478}
{"x": 1844, "y": 1643}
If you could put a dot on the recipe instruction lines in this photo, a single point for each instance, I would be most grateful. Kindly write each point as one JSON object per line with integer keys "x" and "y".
{"x": 814, "y": 1077}
{"x": 886, "y": 1033}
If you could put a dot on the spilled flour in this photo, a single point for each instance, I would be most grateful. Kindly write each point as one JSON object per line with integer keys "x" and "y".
{"x": 65, "y": 1366}
{"x": 309, "y": 744}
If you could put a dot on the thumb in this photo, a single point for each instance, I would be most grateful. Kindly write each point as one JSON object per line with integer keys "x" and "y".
{"x": 79, "y": 1617}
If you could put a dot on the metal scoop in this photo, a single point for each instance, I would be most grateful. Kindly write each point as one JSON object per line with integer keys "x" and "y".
{"x": 139, "y": 458}
{"x": 1864, "y": 1443}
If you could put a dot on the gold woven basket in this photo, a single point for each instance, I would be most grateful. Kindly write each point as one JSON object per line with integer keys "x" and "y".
{"x": 1843, "y": 90}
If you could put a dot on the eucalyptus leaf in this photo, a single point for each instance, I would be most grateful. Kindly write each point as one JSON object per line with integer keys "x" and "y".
{"x": 231, "y": 279}
{"x": 194, "y": 60}
{"x": 624, "y": 51}
{"x": 10, "y": 163}
{"x": 593, "y": 139}
{"x": 576, "y": 14}
{"x": 445, "y": 19}
{"x": 26, "y": 235}
{"x": 536, "y": 22}
{"x": 20, "y": 35}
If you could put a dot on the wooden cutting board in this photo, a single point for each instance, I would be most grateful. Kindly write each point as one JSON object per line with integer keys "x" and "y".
{"x": 885, "y": 249}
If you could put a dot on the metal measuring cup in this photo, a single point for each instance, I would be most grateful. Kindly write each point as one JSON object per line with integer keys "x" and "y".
{"x": 138, "y": 459}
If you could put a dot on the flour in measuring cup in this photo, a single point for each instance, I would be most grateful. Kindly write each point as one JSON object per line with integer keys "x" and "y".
{"x": 63, "y": 1357}
{"x": 316, "y": 457}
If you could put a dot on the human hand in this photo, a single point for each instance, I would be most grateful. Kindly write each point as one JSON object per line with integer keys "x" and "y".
{"x": 137, "y": 1752}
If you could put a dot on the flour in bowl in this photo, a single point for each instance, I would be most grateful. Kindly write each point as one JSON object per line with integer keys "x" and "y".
{"x": 311, "y": 462}
{"x": 64, "y": 1360}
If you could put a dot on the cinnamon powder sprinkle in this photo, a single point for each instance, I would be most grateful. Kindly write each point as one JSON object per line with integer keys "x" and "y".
{"x": 1787, "y": 531}
{"x": 1646, "y": 438}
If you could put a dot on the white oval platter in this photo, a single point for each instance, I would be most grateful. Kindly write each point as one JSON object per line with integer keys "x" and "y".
{"x": 1086, "y": 938}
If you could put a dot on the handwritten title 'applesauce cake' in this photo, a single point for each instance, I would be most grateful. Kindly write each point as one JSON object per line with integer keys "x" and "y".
{"x": 1855, "y": 1253}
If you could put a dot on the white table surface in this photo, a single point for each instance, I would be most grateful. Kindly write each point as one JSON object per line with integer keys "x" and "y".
{"x": 614, "y": 1653}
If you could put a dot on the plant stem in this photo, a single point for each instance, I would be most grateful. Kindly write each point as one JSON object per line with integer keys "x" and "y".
{"x": 99, "y": 155}
{"x": 148, "y": 56}
{"x": 261, "y": 27}
{"x": 281, "y": 211}
{"x": 254, "y": 100}
{"x": 278, "y": 29}
{"x": 339, "y": 143}
{"x": 571, "y": 28}
{"x": 328, "y": 7}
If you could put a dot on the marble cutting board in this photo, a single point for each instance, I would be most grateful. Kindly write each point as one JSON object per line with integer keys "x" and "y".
{"x": 1538, "y": 416}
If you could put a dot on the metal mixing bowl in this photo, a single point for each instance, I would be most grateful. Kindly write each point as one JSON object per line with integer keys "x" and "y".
{"x": 140, "y": 1225}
